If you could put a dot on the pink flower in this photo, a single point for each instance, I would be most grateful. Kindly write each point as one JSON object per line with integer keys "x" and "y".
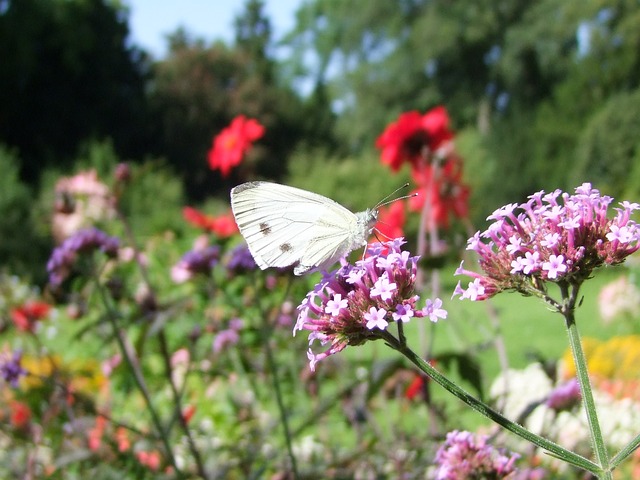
{"x": 81, "y": 201}
{"x": 546, "y": 239}
{"x": 375, "y": 318}
{"x": 465, "y": 455}
{"x": 351, "y": 305}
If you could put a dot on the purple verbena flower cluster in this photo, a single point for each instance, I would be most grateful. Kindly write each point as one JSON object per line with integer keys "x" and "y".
{"x": 10, "y": 367}
{"x": 241, "y": 260}
{"x": 356, "y": 302}
{"x": 195, "y": 262}
{"x": 466, "y": 456}
{"x": 564, "y": 396}
{"x": 552, "y": 237}
{"x": 64, "y": 256}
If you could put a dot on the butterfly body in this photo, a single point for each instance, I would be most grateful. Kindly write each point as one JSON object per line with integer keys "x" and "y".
{"x": 286, "y": 226}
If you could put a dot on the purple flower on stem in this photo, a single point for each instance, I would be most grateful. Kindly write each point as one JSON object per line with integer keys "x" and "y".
{"x": 10, "y": 367}
{"x": 64, "y": 256}
{"x": 433, "y": 311}
{"x": 564, "y": 396}
{"x": 465, "y": 455}
{"x": 357, "y": 302}
{"x": 553, "y": 237}
{"x": 229, "y": 337}
{"x": 194, "y": 262}
{"x": 241, "y": 260}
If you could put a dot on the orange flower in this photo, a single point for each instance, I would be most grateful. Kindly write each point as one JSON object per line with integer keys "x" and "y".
{"x": 26, "y": 316}
{"x": 230, "y": 145}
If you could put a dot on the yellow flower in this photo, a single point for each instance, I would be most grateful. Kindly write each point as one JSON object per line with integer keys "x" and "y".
{"x": 614, "y": 364}
{"x": 81, "y": 375}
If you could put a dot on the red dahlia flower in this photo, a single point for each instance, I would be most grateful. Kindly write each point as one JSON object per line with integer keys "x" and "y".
{"x": 230, "y": 145}
{"x": 223, "y": 225}
{"x": 413, "y": 136}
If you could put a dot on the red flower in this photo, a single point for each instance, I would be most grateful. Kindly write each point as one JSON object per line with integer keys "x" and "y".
{"x": 230, "y": 145}
{"x": 402, "y": 141}
{"x": 26, "y": 316}
{"x": 436, "y": 124}
{"x": 447, "y": 194}
{"x": 413, "y": 137}
{"x": 95, "y": 434}
{"x": 223, "y": 225}
{"x": 415, "y": 387}
{"x": 188, "y": 412}
{"x": 20, "y": 414}
{"x": 151, "y": 459}
{"x": 391, "y": 220}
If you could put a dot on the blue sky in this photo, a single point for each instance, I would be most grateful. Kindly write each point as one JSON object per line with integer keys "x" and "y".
{"x": 151, "y": 20}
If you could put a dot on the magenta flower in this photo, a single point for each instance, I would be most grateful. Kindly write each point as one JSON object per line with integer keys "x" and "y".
{"x": 553, "y": 237}
{"x": 465, "y": 455}
{"x": 357, "y": 302}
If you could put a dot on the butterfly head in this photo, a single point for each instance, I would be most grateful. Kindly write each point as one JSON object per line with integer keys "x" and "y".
{"x": 367, "y": 219}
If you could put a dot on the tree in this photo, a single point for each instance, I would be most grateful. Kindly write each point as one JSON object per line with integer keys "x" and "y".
{"x": 609, "y": 148}
{"x": 198, "y": 89}
{"x": 68, "y": 74}
{"x": 386, "y": 57}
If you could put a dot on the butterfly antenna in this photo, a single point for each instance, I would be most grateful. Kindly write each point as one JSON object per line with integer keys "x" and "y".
{"x": 386, "y": 201}
{"x": 376, "y": 232}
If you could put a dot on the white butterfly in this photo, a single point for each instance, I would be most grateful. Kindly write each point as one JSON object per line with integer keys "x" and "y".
{"x": 288, "y": 226}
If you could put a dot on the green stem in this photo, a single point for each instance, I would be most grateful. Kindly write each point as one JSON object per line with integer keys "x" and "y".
{"x": 165, "y": 355}
{"x": 582, "y": 372}
{"x": 482, "y": 408}
{"x": 267, "y": 330}
{"x": 134, "y": 367}
{"x": 625, "y": 452}
{"x": 177, "y": 399}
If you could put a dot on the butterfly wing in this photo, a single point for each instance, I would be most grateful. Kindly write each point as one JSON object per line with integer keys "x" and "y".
{"x": 286, "y": 226}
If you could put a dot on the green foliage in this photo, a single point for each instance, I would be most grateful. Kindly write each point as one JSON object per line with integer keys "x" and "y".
{"x": 609, "y": 149}
{"x": 357, "y": 182}
{"x": 152, "y": 200}
{"x": 21, "y": 248}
